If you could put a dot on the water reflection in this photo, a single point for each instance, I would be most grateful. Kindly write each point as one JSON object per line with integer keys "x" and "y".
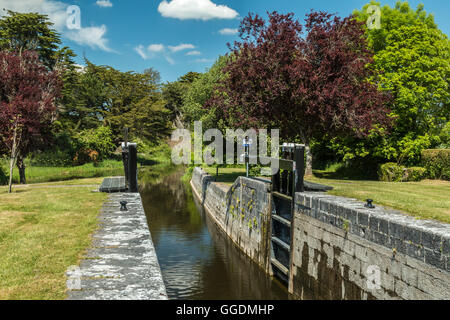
{"x": 197, "y": 260}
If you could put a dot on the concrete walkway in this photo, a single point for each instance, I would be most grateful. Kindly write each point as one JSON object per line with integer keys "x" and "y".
{"x": 122, "y": 264}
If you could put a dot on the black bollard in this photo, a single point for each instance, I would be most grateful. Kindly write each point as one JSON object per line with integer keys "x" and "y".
{"x": 132, "y": 167}
{"x": 125, "y": 163}
{"x": 299, "y": 158}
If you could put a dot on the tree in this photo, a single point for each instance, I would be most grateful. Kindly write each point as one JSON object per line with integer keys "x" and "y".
{"x": 412, "y": 57}
{"x": 307, "y": 86}
{"x": 133, "y": 100}
{"x": 155, "y": 76}
{"x": 85, "y": 99}
{"x": 28, "y": 92}
{"x": 173, "y": 93}
{"x": 30, "y": 31}
{"x": 200, "y": 92}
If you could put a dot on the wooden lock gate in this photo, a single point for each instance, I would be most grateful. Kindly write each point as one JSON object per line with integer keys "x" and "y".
{"x": 285, "y": 183}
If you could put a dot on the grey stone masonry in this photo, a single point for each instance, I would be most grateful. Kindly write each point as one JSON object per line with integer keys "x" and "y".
{"x": 122, "y": 264}
{"x": 241, "y": 211}
{"x": 424, "y": 240}
{"x": 338, "y": 243}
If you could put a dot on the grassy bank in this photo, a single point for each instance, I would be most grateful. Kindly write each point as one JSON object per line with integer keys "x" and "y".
{"x": 428, "y": 199}
{"x": 36, "y": 174}
{"x": 43, "y": 231}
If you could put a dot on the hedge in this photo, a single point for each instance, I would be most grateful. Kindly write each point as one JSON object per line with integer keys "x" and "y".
{"x": 437, "y": 163}
{"x": 392, "y": 172}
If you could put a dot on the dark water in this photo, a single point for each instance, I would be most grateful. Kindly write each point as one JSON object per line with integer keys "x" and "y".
{"x": 197, "y": 260}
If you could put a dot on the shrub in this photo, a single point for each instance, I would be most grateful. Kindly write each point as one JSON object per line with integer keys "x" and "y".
{"x": 437, "y": 163}
{"x": 414, "y": 174}
{"x": 52, "y": 158}
{"x": 392, "y": 172}
{"x": 84, "y": 156}
{"x": 99, "y": 139}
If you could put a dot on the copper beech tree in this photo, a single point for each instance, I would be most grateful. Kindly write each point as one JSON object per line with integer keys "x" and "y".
{"x": 304, "y": 85}
{"x": 28, "y": 93}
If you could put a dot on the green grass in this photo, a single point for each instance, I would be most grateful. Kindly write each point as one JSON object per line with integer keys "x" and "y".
{"x": 35, "y": 174}
{"x": 43, "y": 231}
{"x": 428, "y": 199}
{"x": 226, "y": 175}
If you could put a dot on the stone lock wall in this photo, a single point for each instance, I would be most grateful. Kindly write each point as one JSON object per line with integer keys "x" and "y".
{"x": 341, "y": 250}
{"x": 241, "y": 211}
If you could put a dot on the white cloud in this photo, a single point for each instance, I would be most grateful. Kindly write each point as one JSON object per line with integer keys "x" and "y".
{"x": 141, "y": 51}
{"x": 104, "y": 3}
{"x": 193, "y": 53}
{"x": 56, "y": 10}
{"x": 228, "y": 32}
{"x": 93, "y": 37}
{"x": 181, "y": 47}
{"x": 170, "y": 60}
{"x": 195, "y": 9}
{"x": 156, "y": 48}
{"x": 204, "y": 60}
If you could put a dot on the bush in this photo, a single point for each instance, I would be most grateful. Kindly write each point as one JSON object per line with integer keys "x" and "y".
{"x": 392, "y": 172}
{"x": 414, "y": 174}
{"x": 437, "y": 163}
{"x": 52, "y": 158}
{"x": 99, "y": 140}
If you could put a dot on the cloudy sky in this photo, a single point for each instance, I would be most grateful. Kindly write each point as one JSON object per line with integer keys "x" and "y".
{"x": 173, "y": 36}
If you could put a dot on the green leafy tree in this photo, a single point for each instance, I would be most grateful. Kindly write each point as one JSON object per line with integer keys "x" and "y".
{"x": 174, "y": 92}
{"x": 201, "y": 90}
{"x": 412, "y": 57}
{"x": 30, "y": 31}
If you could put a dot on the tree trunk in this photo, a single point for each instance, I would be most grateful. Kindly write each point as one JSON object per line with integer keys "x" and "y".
{"x": 12, "y": 161}
{"x": 309, "y": 159}
{"x": 21, "y": 166}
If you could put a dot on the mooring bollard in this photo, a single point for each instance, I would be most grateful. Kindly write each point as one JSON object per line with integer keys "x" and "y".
{"x": 132, "y": 168}
{"x": 125, "y": 162}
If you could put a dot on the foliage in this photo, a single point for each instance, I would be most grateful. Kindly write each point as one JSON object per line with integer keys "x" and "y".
{"x": 412, "y": 57}
{"x": 134, "y": 102}
{"x": 30, "y": 31}
{"x": 304, "y": 86}
{"x": 437, "y": 163}
{"x": 99, "y": 140}
{"x": 201, "y": 90}
{"x": 173, "y": 93}
{"x": 3, "y": 176}
{"x": 28, "y": 92}
{"x": 392, "y": 172}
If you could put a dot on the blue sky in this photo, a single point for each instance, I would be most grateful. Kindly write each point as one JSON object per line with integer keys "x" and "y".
{"x": 175, "y": 36}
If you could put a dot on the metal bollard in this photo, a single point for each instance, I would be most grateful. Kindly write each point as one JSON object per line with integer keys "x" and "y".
{"x": 132, "y": 168}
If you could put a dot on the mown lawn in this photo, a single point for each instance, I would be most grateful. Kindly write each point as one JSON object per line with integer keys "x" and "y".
{"x": 35, "y": 174}
{"x": 43, "y": 231}
{"x": 428, "y": 199}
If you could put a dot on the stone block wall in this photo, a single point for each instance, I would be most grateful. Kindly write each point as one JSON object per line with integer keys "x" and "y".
{"x": 241, "y": 211}
{"x": 341, "y": 250}
{"x": 340, "y": 246}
